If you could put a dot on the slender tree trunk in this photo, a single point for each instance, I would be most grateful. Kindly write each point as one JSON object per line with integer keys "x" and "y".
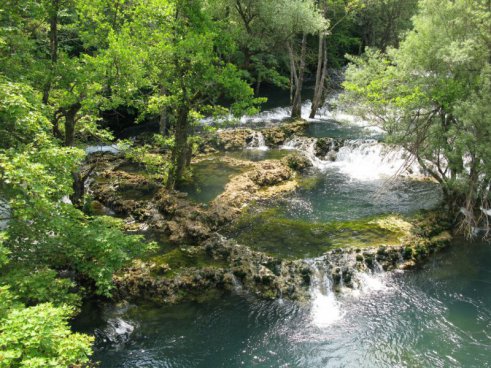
{"x": 297, "y": 97}
{"x": 70, "y": 121}
{"x": 79, "y": 179}
{"x": 163, "y": 121}
{"x": 258, "y": 84}
{"x": 181, "y": 149}
{"x": 321, "y": 76}
{"x": 53, "y": 45}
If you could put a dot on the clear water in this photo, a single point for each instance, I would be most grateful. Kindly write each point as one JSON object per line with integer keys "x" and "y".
{"x": 331, "y": 210}
{"x": 208, "y": 180}
{"x": 439, "y": 316}
{"x": 334, "y": 129}
{"x": 333, "y": 196}
{"x": 259, "y": 155}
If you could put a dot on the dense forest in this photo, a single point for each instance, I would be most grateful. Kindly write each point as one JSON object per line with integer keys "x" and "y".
{"x": 75, "y": 73}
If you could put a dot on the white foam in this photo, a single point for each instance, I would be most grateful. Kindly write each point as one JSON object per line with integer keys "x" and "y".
{"x": 113, "y": 148}
{"x": 325, "y": 309}
{"x": 258, "y": 142}
{"x": 367, "y": 160}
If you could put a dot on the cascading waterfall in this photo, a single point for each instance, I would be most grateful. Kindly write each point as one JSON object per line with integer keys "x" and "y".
{"x": 258, "y": 142}
{"x": 361, "y": 159}
{"x": 307, "y": 145}
{"x": 326, "y": 309}
{"x": 367, "y": 159}
{"x": 327, "y": 306}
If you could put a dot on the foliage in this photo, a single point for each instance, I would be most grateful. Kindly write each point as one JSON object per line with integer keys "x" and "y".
{"x": 39, "y": 336}
{"x": 430, "y": 96}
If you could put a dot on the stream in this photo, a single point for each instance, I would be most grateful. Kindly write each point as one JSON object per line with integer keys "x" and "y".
{"x": 435, "y": 316}
{"x": 438, "y": 316}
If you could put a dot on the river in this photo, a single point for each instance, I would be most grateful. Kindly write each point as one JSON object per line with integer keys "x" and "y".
{"x": 438, "y": 316}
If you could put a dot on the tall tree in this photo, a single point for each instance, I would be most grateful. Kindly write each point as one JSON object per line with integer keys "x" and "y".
{"x": 432, "y": 96}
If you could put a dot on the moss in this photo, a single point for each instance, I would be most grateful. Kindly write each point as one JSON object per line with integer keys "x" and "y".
{"x": 268, "y": 231}
{"x": 182, "y": 258}
{"x": 309, "y": 182}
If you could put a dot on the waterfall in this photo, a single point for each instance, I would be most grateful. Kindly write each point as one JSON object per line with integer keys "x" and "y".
{"x": 361, "y": 159}
{"x": 117, "y": 331}
{"x": 325, "y": 308}
{"x": 113, "y": 148}
{"x": 367, "y": 159}
{"x": 337, "y": 278}
{"x": 257, "y": 142}
{"x": 307, "y": 145}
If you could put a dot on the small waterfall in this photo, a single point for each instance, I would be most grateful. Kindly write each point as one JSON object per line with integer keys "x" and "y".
{"x": 117, "y": 331}
{"x": 307, "y": 145}
{"x": 257, "y": 142}
{"x": 325, "y": 307}
{"x": 361, "y": 159}
{"x": 367, "y": 159}
{"x": 113, "y": 148}
{"x": 338, "y": 277}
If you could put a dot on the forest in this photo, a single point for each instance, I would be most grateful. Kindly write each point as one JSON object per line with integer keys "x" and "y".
{"x": 163, "y": 85}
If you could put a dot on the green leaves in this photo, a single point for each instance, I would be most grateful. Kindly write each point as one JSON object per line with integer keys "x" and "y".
{"x": 429, "y": 95}
{"x": 39, "y": 336}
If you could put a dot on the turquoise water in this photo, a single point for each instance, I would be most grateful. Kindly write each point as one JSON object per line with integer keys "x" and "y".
{"x": 334, "y": 129}
{"x": 331, "y": 210}
{"x": 333, "y": 196}
{"x": 208, "y": 180}
{"x": 259, "y": 155}
{"x": 439, "y": 316}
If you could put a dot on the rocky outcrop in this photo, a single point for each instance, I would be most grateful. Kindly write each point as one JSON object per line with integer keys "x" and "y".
{"x": 429, "y": 234}
{"x": 235, "y": 139}
{"x": 326, "y": 148}
{"x": 276, "y": 136}
{"x": 265, "y": 180}
{"x": 148, "y": 205}
{"x": 230, "y": 266}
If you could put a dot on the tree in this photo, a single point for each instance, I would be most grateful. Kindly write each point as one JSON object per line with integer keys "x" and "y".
{"x": 293, "y": 18}
{"x": 432, "y": 96}
{"x": 39, "y": 336}
{"x": 382, "y": 22}
{"x": 339, "y": 12}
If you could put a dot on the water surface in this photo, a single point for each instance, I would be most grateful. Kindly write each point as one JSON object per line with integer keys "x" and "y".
{"x": 439, "y": 316}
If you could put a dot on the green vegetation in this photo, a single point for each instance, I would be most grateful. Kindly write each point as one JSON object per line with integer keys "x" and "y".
{"x": 432, "y": 96}
{"x": 271, "y": 232}
{"x": 68, "y": 65}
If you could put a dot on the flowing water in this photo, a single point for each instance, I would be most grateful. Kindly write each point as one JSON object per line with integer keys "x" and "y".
{"x": 439, "y": 316}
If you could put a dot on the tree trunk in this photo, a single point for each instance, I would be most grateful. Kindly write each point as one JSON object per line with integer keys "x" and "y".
{"x": 79, "y": 179}
{"x": 163, "y": 121}
{"x": 70, "y": 121}
{"x": 297, "y": 97}
{"x": 258, "y": 85}
{"x": 181, "y": 150}
{"x": 320, "y": 77}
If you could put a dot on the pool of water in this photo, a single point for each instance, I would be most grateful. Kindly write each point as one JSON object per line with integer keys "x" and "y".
{"x": 439, "y": 316}
{"x": 331, "y": 210}
{"x": 209, "y": 180}
{"x": 334, "y": 129}
{"x": 259, "y": 155}
{"x": 334, "y": 196}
